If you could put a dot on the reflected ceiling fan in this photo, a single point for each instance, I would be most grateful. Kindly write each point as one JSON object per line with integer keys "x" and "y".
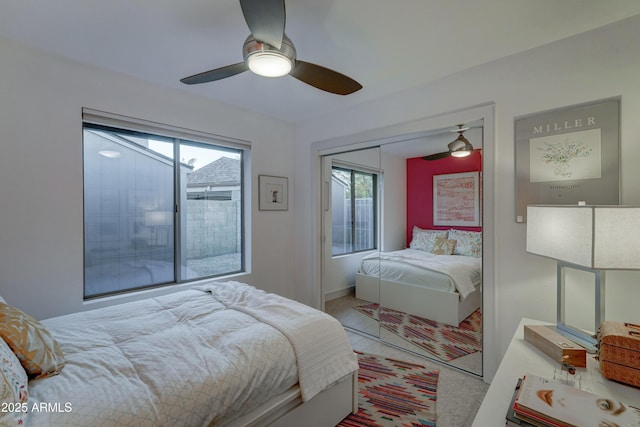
{"x": 269, "y": 52}
{"x": 460, "y": 147}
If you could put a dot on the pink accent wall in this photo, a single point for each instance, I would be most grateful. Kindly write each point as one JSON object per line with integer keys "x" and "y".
{"x": 420, "y": 187}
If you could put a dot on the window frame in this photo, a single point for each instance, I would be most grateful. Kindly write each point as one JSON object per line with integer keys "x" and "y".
{"x": 93, "y": 119}
{"x": 374, "y": 206}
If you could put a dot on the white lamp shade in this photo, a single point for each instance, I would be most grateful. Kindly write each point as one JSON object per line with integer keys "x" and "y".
{"x": 617, "y": 237}
{"x": 599, "y": 237}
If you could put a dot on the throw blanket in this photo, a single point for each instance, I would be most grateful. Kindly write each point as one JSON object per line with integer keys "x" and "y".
{"x": 322, "y": 350}
{"x": 464, "y": 271}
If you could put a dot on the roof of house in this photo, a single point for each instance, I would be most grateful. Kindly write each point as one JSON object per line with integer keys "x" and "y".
{"x": 223, "y": 171}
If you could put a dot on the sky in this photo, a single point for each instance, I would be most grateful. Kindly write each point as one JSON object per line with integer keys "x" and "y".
{"x": 202, "y": 153}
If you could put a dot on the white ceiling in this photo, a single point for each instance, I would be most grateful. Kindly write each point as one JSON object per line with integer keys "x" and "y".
{"x": 388, "y": 46}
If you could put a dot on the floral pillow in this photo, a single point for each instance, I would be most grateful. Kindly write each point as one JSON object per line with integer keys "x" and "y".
{"x": 13, "y": 387}
{"x": 423, "y": 240}
{"x": 442, "y": 246}
{"x": 38, "y": 352}
{"x": 468, "y": 243}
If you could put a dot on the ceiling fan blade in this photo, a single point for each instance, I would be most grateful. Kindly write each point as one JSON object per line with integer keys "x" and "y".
{"x": 437, "y": 156}
{"x": 217, "y": 74}
{"x": 324, "y": 78}
{"x": 265, "y": 19}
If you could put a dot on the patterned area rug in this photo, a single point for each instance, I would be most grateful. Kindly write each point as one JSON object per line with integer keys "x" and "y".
{"x": 393, "y": 393}
{"x": 443, "y": 341}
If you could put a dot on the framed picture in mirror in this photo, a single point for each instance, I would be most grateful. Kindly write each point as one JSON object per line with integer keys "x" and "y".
{"x": 456, "y": 199}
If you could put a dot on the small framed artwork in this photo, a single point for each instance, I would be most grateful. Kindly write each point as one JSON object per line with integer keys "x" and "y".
{"x": 568, "y": 155}
{"x": 456, "y": 199}
{"x": 274, "y": 193}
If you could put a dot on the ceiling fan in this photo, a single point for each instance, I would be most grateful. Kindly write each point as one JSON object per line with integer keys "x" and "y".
{"x": 460, "y": 147}
{"x": 269, "y": 52}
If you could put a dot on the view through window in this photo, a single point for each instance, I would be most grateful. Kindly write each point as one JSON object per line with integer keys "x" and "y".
{"x": 353, "y": 201}
{"x": 158, "y": 210}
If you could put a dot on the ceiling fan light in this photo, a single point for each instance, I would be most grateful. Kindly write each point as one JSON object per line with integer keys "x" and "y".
{"x": 269, "y": 64}
{"x": 462, "y": 153}
{"x": 265, "y": 60}
{"x": 461, "y": 147}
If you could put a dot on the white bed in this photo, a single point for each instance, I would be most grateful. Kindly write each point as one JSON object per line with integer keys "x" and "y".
{"x": 225, "y": 354}
{"x": 443, "y": 288}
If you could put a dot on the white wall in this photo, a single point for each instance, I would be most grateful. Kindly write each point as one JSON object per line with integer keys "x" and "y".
{"x": 41, "y": 216}
{"x": 394, "y": 202}
{"x": 599, "y": 64}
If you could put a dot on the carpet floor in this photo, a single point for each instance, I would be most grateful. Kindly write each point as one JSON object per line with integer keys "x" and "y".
{"x": 393, "y": 393}
{"x": 444, "y": 341}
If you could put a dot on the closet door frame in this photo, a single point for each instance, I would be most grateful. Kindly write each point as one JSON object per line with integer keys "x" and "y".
{"x": 402, "y": 131}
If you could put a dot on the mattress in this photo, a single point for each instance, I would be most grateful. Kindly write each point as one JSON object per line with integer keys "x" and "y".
{"x": 447, "y": 273}
{"x": 196, "y": 357}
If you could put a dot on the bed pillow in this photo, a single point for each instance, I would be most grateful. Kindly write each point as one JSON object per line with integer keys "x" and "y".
{"x": 13, "y": 386}
{"x": 468, "y": 243}
{"x": 423, "y": 239}
{"x": 442, "y": 246}
{"x": 38, "y": 352}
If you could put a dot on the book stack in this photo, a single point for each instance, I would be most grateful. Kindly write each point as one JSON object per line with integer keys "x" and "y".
{"x": 540, "y": 402}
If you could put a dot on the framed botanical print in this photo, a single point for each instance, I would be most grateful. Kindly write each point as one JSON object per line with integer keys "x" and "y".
{"x": 568, "y": 155}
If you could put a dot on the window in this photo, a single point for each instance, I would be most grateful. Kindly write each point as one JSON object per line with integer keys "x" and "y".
{"x": 353, "y": 204}
{"x": 158, "y": 209}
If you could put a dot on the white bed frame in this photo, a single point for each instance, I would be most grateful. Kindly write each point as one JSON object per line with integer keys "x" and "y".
{"x": 440, "y": 306}
{"x": 326, "y": 409}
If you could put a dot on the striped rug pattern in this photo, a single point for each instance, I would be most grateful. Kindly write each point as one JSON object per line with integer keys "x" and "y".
{"x": 393, "y": 393}
{"x": 441, "y": 340}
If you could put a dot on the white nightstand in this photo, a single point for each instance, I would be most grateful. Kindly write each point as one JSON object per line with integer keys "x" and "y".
{"x": 522, "y": 358}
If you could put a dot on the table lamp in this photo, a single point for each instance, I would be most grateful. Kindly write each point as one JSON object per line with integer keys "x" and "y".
{"x": 587, "y": 238}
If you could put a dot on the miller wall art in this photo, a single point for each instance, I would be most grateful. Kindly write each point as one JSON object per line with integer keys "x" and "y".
{"x": 568, "y": 155}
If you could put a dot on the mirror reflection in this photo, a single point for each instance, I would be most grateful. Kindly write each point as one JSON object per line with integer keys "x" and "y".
{"x": 351, "y": 224}
{"x": 420, "y": 287}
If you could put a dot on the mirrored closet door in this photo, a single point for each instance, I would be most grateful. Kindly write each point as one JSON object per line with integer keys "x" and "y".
{"x": 431, "y": 275}
{"x": 420, "y": 288}
{"x": 351, "y": 234}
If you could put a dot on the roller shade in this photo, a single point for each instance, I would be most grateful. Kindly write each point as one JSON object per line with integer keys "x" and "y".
{"x": 103, "y": 118}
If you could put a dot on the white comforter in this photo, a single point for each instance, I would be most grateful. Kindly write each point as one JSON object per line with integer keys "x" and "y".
{"x": 197, "y": 357}
{"x": 323, "y": 353}
{"x": 462, "y": 273}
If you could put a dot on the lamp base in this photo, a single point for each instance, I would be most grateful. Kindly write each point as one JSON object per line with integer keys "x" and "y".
{"x": 579, "y": 337}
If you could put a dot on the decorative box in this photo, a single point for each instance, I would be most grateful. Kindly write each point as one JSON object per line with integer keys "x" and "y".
{"x": 619, "y": 352}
